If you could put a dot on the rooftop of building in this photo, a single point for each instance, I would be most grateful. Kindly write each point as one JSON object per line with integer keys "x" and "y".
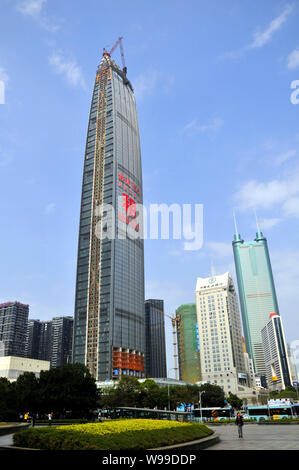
{"x": 15, "y": 302}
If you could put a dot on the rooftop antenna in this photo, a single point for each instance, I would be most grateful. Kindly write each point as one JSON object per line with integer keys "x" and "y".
{"x": 237, "y": 237}
{"x": 257, "y": 222}
{"x": 212, "y": 269}
{"x": 235, "y": 221}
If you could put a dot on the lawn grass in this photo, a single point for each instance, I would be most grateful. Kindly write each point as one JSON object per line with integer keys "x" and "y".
{"x": 112, "y": 435}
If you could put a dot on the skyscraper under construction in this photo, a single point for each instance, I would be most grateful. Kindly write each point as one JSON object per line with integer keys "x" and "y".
{"x": 109, "y": 320}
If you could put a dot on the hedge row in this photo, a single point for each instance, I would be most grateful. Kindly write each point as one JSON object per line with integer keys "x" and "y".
{"x": 116, "y": 435}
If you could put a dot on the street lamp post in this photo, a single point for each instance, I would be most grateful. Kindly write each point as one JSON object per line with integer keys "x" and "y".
{"x": 173, "y": 368}
{"x": 200, "y": 394}
{"x": 296, "y": 387}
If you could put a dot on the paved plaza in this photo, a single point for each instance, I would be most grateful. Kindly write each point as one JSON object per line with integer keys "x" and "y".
{"x": 257, "y": 437}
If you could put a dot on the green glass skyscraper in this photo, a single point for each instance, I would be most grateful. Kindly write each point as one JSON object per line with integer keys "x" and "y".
{"x": 188, "y": 343}
{"x": 256, "y": 292}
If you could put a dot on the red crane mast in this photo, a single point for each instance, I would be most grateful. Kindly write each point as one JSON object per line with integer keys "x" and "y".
{"x": 118, "y": 42}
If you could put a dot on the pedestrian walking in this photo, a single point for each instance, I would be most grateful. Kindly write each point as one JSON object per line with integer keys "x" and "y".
{"x": 239, "y": 423}
{"x": 50, "y": 415}
{"x": 33, "y": 419}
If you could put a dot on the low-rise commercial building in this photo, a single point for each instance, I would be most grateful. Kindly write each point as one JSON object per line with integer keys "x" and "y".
{"x": 11, "y": 367}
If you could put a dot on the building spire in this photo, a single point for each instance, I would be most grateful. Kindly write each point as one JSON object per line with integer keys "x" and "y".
{"x": 212, "y": 269}
{"x": 237, "y": 236}
{"x": 256, "y": 220}
{"x": 259, "y": 234}
{"x": 235, "y": 220}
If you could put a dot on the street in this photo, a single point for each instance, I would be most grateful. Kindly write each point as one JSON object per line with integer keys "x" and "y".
{"x": 257, "y": 437}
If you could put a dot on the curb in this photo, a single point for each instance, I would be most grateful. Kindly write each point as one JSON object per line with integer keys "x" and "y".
{"x": 200, "y": 444}
{"x": 4, "y": 430}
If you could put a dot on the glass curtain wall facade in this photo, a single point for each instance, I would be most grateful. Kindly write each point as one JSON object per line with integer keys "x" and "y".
{"x": 276, "y": 354}
{"x": 256, "y": 293}
{"x": 13, "y": 328}
{"x": 188, "y": 343}
{"x": 33, "y": 339}
{"x": 62, "y": 337}
{"x": 155, "y": 338}
{"x": 109, "y": 321}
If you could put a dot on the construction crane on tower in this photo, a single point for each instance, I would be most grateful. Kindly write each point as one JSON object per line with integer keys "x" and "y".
{"x": 174, "y": 335}
{"x": 118, "y": 42}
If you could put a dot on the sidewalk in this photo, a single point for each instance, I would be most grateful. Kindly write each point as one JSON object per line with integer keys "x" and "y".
{"x": 257, "y": 437}
{"x": 6, "y": 440}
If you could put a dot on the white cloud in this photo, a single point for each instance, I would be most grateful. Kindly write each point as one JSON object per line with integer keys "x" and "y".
{"x": 146, "y": 83}
{"x": 268, "y": 223}
{"x": 31, "y": 8}
{"x": 293, "y": 59}
{"x": 3, "y": 75}
{"x": 291, "y": 207}
{"x": 213, "y": 125}
{"x": 283, "y": 157}
{"x": 263, "y": 37}
{"x": 34, "y": 9}
{"x": 220, "y": 249}
{"x": 50, "y": 208}
{"x": 5, "y": 159}
{"x": 3, "y": 82}
{"x": 258, "y": 194}
{"x": 285, "y": 266}
{"x": 67, "y": 68}
{"x": 282, "y": 194}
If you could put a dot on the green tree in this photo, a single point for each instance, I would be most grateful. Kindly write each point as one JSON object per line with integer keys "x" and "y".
{"x": 151, "y": 395}
{"x": 235, "y": 401}
{"x": 26, "y": 391}
{"x": 108, "y": 397}
{"x": 8, "y": 407}
{"x": 68, "y": 388}
{"x": 128, "y": 391}
{"x": 289, "y": 392}
{"x": 213, "y": 396}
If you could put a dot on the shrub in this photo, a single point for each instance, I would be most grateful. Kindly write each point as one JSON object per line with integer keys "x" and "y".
{"x": 114, "y": 435}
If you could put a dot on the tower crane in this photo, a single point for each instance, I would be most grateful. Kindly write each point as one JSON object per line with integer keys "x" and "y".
{"x": 118, "y": 42}
{"x": 174, "y": 334}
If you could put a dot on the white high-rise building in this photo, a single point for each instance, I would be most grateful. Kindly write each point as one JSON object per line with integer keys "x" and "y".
{"x": 292, "y": 362}
{"x": 249, "y": 367}
{"x": 220, "y": 334}
{"x": 276, "y": 355}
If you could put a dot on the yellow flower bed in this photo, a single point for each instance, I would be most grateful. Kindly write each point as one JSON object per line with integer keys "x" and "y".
{"x": 126, "y": 425}
{"x": 111, "y": 435}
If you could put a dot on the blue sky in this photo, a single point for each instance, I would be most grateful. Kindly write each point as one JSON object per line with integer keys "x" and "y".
{"x": 213, "y": 83}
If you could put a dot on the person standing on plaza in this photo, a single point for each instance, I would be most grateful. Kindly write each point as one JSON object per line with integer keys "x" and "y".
{"x": 50, "y": 415}
{"x": 239, "y": 423}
